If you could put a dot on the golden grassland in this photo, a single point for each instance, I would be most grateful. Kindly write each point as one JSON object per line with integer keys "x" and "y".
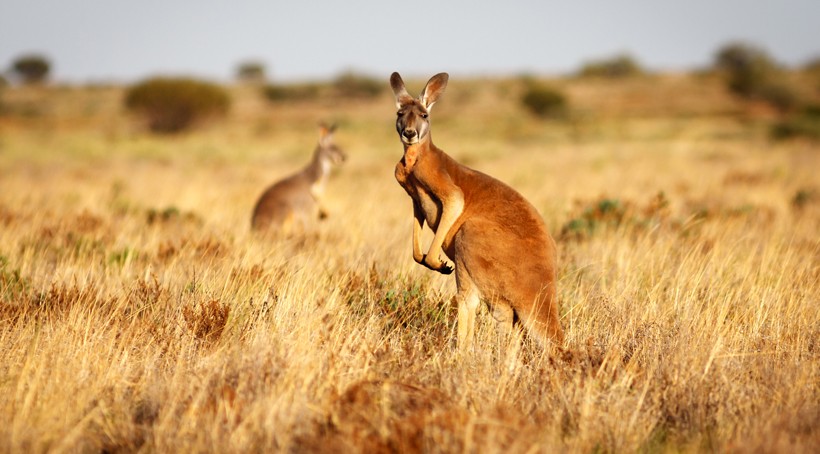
{"x": 138, "y": 312}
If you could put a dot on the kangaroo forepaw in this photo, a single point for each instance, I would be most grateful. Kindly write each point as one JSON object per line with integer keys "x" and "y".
{"x": 442, "y": 267}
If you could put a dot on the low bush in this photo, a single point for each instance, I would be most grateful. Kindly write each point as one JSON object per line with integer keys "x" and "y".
{"x": 251, "y": 72}
{"x": 545, "y": 102}
{"x": 606, "y": 213}
{"x": 804, "y": 197}
{"x": 12, "y": 283}
{"x": 172, "y": 105}
{"x": 752, "y": 74}
{"x": 32, "y": 68}
{"x": 615, "y": 67}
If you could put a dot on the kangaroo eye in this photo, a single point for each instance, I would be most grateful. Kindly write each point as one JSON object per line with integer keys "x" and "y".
{"x": 424, "y": 115}
{"x": 399, "y": 113}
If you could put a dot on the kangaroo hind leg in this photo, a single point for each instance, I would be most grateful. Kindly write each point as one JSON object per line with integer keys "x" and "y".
{"x": 468, "y": 299}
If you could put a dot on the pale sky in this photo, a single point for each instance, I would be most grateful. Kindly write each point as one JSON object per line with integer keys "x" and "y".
{"x": 123, "y": 41}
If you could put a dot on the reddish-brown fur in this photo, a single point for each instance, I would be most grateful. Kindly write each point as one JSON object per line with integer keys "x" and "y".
{"x": 500, "y": 247}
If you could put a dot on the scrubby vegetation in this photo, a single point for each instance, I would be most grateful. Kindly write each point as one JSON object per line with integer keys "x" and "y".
{"x": 544, "y": 101}
{"x": 139, "y": 313}
{"x": 251, "y": 72}
{"x": 32, "y": 68}
{"x": 805, "y": 123}
{"x": 352, "y": 85}
{"x": 616, "y": 67}
{"x": 171, "y": 105}
{"x": 752, "y": 74}
{"x": 292, "y": 92}
{"x": 347, "y": 86}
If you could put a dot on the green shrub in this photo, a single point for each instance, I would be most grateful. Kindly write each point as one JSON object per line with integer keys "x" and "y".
{"x": 545, "y": 102}
{"x": 613, "y": 213}
{"x": 748, "y": 69}
{"x": 173, "y": 104}
{"x": 615, "y": 67}
{"x": 743, "y": 57}
{"x": 31, "y": 68}
{"x": 251, "y": 71}
{"x": 752, "y": 74}
{"x": 12, "y": 284}
{"x": 604, "y": 212}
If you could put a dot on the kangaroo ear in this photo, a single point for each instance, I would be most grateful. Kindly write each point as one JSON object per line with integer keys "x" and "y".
{"x": 325, "y": 133}
{"x": 402, "y": 97}
{"x": 433, "y": 90}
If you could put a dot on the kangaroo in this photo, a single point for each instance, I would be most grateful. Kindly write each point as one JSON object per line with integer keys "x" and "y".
{"x": 498, "y": 244}
{"x": 294, "y": 202}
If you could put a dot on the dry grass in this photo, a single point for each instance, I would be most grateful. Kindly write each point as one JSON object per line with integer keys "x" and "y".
{"x": 137, "y": 312}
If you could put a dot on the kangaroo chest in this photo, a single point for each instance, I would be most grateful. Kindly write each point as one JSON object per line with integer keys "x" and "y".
{"x": 423, "y": 197}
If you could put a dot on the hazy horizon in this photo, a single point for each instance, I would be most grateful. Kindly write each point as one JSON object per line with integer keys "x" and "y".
{"x": 94, "y": 40}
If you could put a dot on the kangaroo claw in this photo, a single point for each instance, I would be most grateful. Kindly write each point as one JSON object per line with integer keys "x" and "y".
{"x": 443, "y": 267}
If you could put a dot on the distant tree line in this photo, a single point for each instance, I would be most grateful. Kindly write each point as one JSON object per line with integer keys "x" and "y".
{"x": 170, "y": 105}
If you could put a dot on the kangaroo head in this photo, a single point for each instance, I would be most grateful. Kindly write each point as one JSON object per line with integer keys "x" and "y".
{"x": 327, "y": 150}
{"x": 412, "y": 122}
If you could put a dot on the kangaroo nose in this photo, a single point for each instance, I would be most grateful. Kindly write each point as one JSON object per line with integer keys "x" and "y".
{"x": 409, "y": 133}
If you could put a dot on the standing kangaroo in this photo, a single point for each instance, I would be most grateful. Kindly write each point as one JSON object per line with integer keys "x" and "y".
{"x": 502, "y": 251}
{"x": 294, "y": 202}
